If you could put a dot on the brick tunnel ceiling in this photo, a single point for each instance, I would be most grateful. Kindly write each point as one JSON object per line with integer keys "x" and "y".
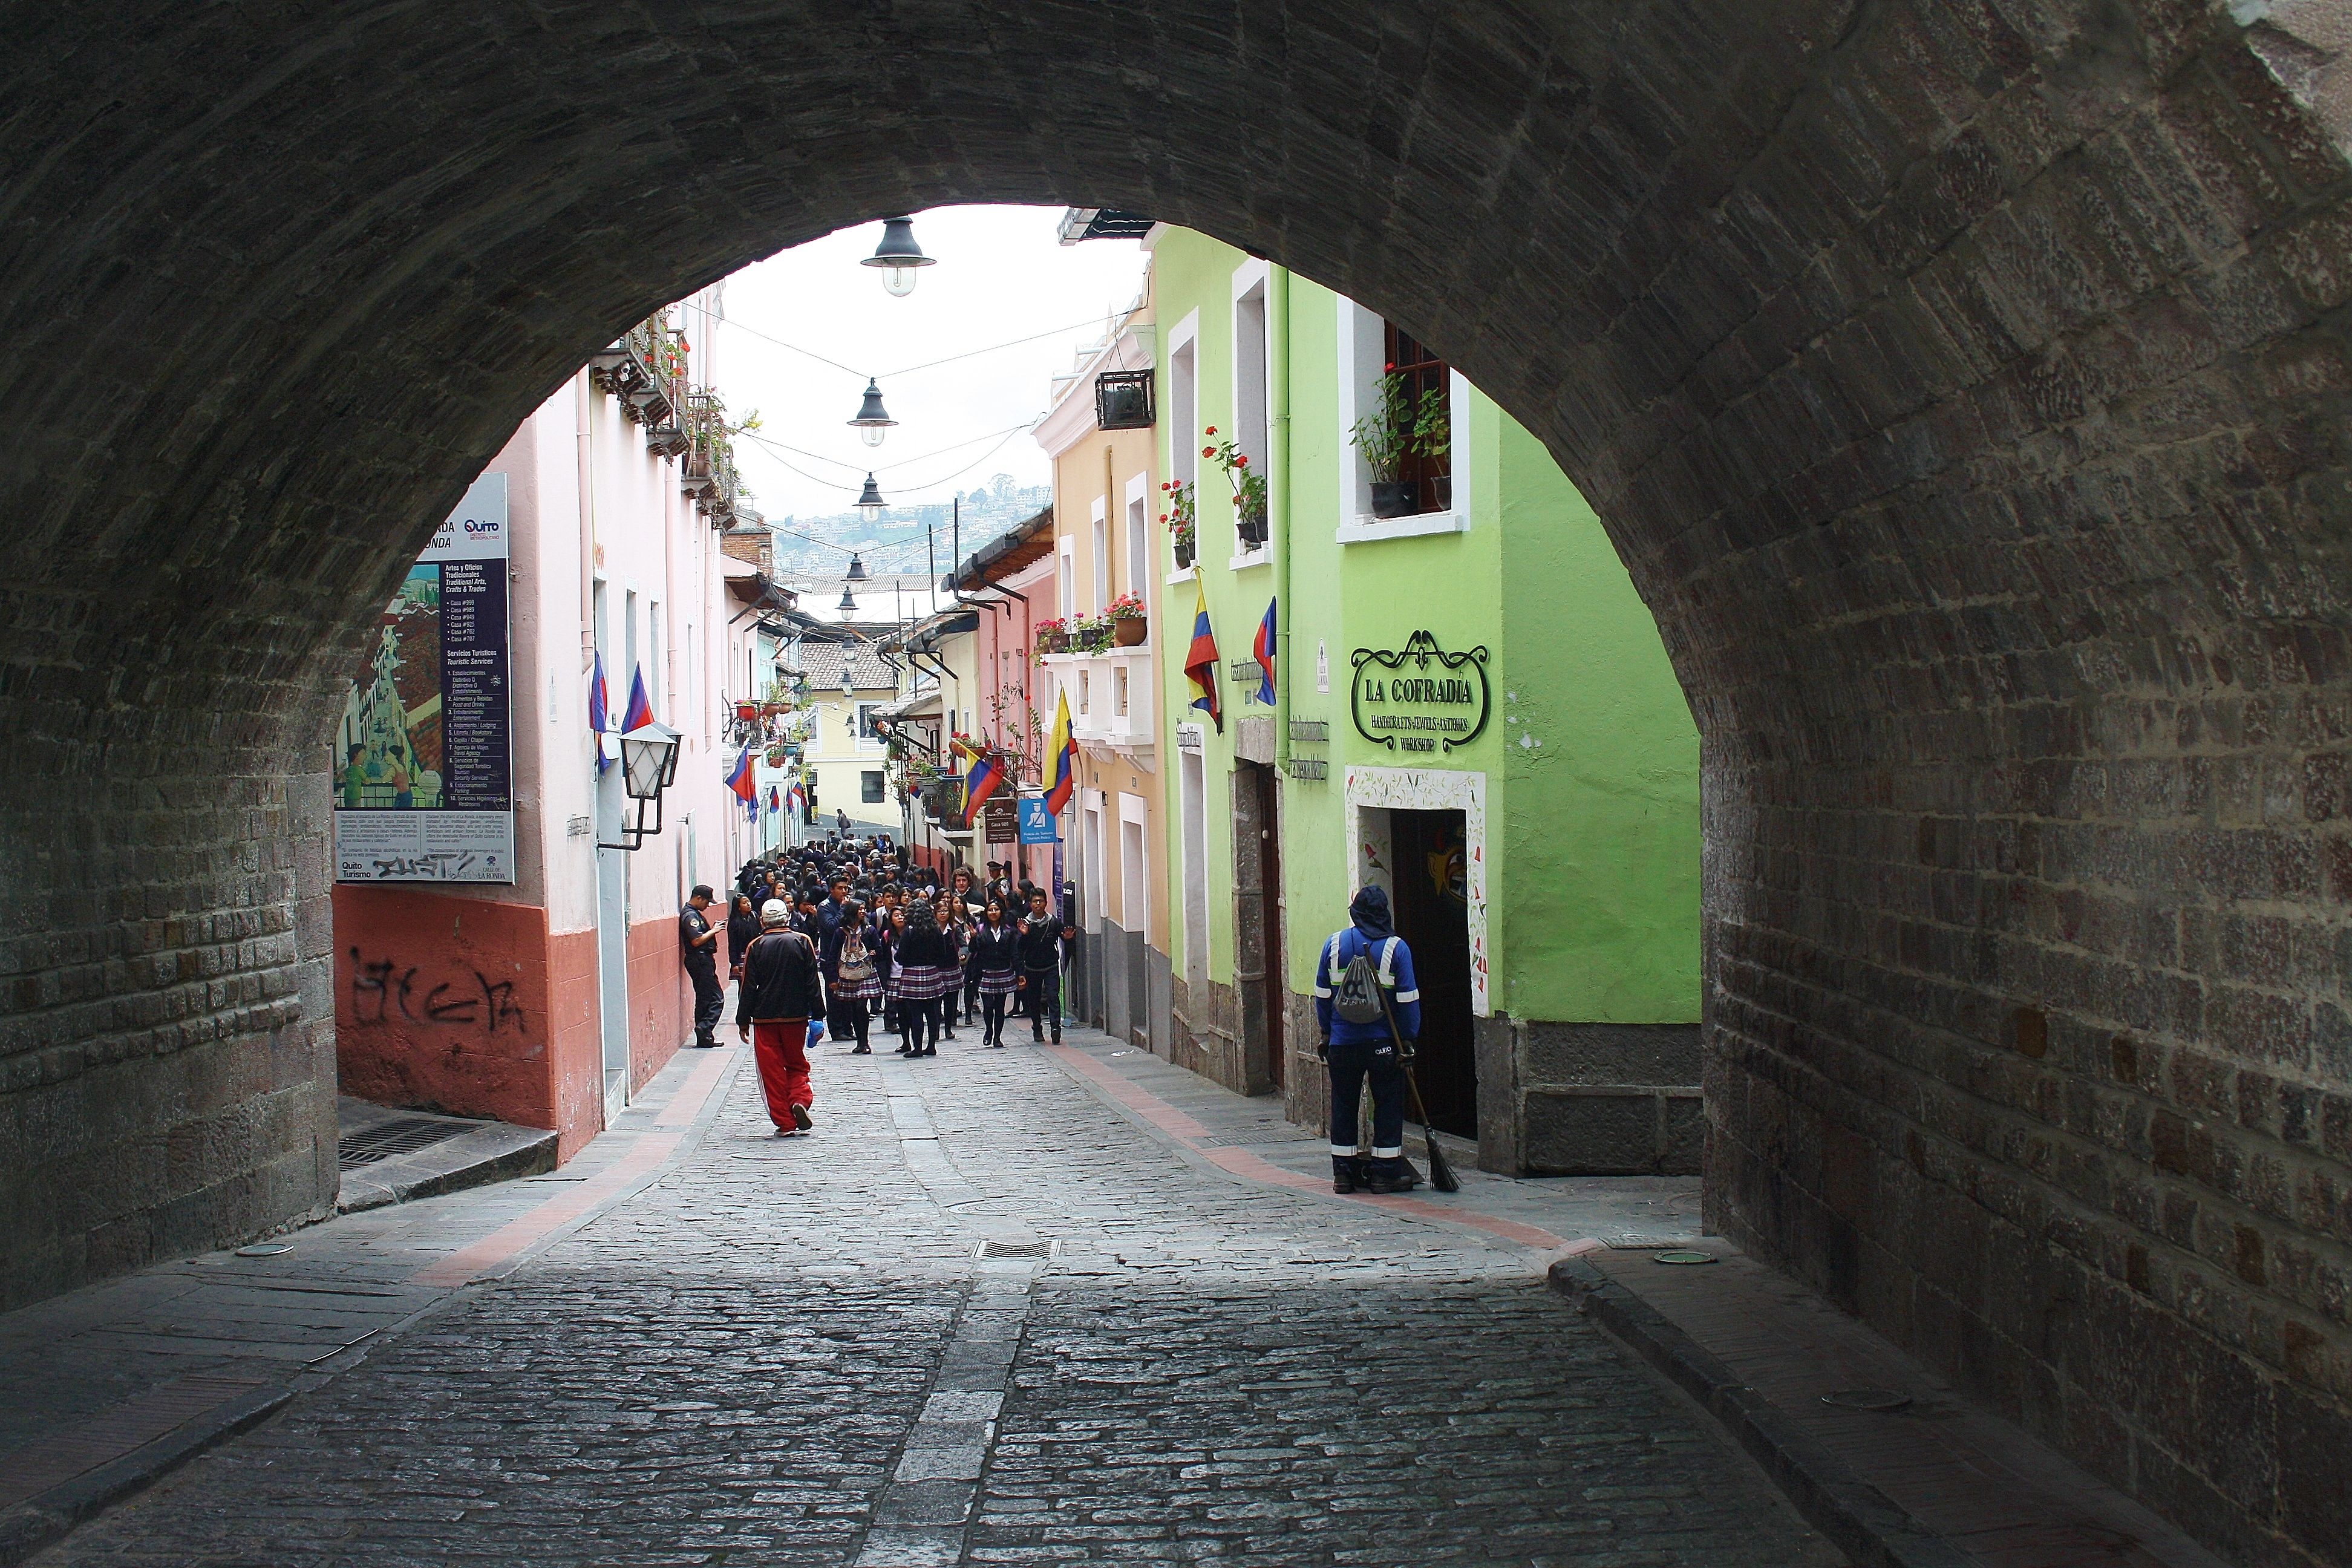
{"x": 1963, "y": 382}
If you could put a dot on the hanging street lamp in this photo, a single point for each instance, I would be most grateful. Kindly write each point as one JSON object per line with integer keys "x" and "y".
{"x": 856, "y": 573}
{"x": 898, "y": 256}
{"x": 870, "y": 502}
{"x": 873, "y": 421}
{"x": 848, "y": 602}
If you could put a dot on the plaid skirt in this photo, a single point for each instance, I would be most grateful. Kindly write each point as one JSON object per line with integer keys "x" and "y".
{"x": 863, "y": 990}
{"x": 998, "y": 982}
{"x": 922, "y": 982}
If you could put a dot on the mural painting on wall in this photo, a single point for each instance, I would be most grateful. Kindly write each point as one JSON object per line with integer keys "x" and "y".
{"x": 424, "y": 773}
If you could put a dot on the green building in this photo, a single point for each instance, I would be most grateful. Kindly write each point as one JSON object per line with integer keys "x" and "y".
{"x": 1471, "y": 706}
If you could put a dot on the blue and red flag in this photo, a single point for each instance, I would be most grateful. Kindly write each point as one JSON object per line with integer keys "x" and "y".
{"x": 641, "y": 707}
{"x": 985, "y": 780}
{"x": 740, "y": 781}
{"x": 1201, "y": 663}
{"x": 599, "y": 713}
{"x": 1261, "y": 651}
{"x": 775, "y": 801}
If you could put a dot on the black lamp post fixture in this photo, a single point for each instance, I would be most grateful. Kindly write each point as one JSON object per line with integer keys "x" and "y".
{"x": 873, "y": 421}
{"x": 870, "y": 502}
{"x": 849, "y": 600}
{"x": 898, "y": 256}
{"x": 648, "y": 766}
{"x": 856, "y": 573}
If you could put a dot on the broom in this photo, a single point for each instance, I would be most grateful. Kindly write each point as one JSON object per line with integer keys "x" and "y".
{"x": 1441, "y": 1174}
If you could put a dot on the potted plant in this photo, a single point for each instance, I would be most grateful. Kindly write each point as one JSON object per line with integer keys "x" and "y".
{"x": 1128, "y": 625}
{"x": 1178, "y": 520}
{"x": 775, "y": 756}
{"x": 1052, "y": 637}
{"x": 747, "y": 710}
{"x": 1249, "y": 489}
{"x": 1088, "y": 634}
{"x": 1400, "y": 427}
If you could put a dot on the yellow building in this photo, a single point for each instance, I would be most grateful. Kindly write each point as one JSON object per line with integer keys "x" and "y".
{"x": 1107, "y": 507}
{"x": 840, "y": 745}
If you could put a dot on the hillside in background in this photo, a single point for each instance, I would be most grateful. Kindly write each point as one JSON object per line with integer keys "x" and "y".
{"x": 896, "y": 542}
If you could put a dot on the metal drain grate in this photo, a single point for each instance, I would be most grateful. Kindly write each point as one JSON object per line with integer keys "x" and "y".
{"x": 1015, "y": 1249}
{"x": 405, "y": 1135}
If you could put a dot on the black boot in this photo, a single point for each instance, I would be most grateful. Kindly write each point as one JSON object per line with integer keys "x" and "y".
{"x": 1395, "y": 1175}
{"x": 1345, "y": 1176}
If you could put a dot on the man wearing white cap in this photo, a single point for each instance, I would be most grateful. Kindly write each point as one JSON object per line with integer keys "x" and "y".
{"x": 783, "y": 989}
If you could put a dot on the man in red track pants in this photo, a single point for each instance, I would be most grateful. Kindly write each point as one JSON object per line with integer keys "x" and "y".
{"x": 783, "y": 988}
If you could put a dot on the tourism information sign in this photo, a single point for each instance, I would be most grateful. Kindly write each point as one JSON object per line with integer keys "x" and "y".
{"x": 1036, "y": 822}
{"x": 424, "y": 760}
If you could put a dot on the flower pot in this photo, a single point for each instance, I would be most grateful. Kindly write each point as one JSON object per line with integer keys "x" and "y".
{"x": 1183, "y": 558}
{"x": 1393, "y": 497}
{"x": 1251, "y": 529}
{"x": 747, "y": 710}
{"x": 1130, "y": 632}
{"x": 1056, "y": 642}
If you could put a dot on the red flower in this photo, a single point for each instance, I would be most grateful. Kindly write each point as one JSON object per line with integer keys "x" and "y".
{"x": 1210, "y": 431}
{"x": 1241, "y": 462}
{"x": 1163, "y": 517}
{"x": 1207, "y": 451}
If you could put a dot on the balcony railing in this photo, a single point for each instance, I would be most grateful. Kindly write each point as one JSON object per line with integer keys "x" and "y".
{"x": 1111, "y": 695}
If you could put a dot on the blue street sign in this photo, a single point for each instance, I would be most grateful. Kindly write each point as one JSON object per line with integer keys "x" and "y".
{"x": 1036, "y": 822}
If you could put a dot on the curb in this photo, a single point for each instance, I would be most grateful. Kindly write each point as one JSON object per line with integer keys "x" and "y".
{"x": 505, "y": 1156}
{"x": 1858, "y": 1520}
{"x": 40, "y": 1521}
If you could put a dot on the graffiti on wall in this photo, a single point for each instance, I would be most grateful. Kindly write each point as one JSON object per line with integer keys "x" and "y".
{"x": 385, "y": 991}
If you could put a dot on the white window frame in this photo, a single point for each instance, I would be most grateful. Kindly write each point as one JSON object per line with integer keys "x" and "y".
{"x": 1135, "y": 892}
{"x": 1141, "y": 557}
{"x": 1099, "y": 516}
{"x": 1361, "y": 335}
{"x": 1066, "y": 577}
{"x": 1251, "y": 373}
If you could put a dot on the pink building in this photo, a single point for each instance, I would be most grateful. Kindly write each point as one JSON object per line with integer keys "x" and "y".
{"x": 547, "y": 996}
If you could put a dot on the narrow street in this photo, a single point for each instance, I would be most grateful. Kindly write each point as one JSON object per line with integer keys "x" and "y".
{"x": 981, "y": 1315}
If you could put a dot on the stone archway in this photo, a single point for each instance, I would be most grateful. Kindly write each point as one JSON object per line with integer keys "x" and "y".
{"x": 1963, "y": 381}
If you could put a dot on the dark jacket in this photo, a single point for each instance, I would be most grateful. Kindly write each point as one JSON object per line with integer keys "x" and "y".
{"x": 924, "y": 947}
{"x": 781, "y": 980}
{"x": 831, "y": 942}
{"x": 1041, "y": 944}
{"x": 741, "y": 930}
{"x": 995, "y": 951}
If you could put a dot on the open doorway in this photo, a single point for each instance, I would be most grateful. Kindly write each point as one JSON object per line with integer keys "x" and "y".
{"x": 1429, "y": 862}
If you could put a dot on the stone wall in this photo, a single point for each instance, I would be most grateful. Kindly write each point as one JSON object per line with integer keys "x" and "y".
{"x": 1964, "y": 383}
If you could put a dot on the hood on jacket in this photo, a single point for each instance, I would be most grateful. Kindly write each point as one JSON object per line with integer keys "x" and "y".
{"x": 1370, "y": 911}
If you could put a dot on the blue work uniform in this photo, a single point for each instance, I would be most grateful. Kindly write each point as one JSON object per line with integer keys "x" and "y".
{"x": 1360, "y": 1051}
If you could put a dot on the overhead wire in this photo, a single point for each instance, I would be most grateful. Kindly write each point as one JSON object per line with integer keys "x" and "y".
{"x": 907, "y": 370}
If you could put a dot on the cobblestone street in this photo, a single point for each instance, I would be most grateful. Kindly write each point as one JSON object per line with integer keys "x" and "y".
{"x": 980, "y": 1316}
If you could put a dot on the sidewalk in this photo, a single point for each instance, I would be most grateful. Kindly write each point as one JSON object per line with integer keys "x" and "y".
{"x": 1938, "y": 1483}
{"x": 103, "y": 1389}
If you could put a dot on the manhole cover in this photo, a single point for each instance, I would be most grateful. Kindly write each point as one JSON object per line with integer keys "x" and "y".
{"x": 401, "y": 1135}
{"x": 1642, "y": 1241}
{"x": 1016, "y": 1249}
{"x": 264, "y": 1249}
{"x": 1684, "y": 1256}
{"x": 1867, "y": 1399}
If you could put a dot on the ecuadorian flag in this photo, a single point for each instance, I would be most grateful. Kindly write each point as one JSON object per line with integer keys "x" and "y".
{"x": 1061, "y": 759}
{"x": 1261, "y": 651}
{"x": 599, "y": 713}
{"x": 985, "y": 778}
{"x": 1201, "y": 663}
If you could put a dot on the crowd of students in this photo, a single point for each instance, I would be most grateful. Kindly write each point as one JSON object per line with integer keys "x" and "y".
{"x": 897, "y": 947}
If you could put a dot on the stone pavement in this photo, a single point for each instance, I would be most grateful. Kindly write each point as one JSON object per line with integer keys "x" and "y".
{"x": 985, "y": 1314}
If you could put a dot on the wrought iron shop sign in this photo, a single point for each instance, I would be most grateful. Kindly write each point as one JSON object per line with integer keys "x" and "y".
{"x": 1419, "y": 698}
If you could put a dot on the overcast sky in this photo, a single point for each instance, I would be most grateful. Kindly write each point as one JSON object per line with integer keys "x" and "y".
{"x": 1002, "y": 274}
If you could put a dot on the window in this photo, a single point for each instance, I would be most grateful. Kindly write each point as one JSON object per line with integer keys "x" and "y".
{"x": 869, "y": 786}
{"x": 1193, "y": 795}
{"x": 1066, "y": 581}
{"x": 1184, "y": 405}
{"x": 1249, "y": 387}
{"x": 1428, "y": 478}
{"x": 1102, "y": 555}
{"x": 862, "y": 721}
{"x": 1139, "y": 539}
